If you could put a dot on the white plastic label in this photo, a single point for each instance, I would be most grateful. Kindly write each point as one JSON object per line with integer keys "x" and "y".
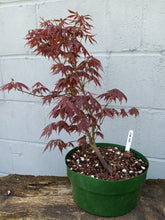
{"x": 129, "y": 140}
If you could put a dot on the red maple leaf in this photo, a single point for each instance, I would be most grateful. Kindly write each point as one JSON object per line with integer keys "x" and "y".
{"x": 113, "y": 95}
{"x": 133, "y": 111}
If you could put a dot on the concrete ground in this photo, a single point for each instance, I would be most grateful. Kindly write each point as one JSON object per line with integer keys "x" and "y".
{"x": 47, "y": 198}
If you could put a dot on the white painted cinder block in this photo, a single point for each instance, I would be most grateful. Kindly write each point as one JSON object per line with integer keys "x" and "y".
{"x": 28, "y": 70}
{"x": 153, "y": 25}
{"x": 117, "y": 24}
{"x": 15, "y": 21}
{"x": 156, "y": 169}
{"x": 22, "y": 121}
{"x": 25, "y": 121}
{"x": 131, "y": 45}
{"x": 140, "y": 77}
{"x": 124, "y": 25}
{"x": 6, "y": 158}
{"x": 12, "y": 1}
{"x": 116, "y": 130}
{"x": 1, "y": 81}
{"x": 28, "y": 158}
{"x": 151, "y": 133}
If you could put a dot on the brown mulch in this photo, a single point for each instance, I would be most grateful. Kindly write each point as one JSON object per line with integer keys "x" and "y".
{"x": 124, "y": 165}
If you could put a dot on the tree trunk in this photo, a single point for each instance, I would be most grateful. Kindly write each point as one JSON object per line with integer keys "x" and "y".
{"x": 101, "y": 159}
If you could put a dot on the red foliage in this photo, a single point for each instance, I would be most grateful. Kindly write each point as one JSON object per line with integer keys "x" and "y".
{"x": 80, "y": 111}
{"x": 112, "y": 95}
{"x": 133, "y": 111}
{"x": 17, "y": 86}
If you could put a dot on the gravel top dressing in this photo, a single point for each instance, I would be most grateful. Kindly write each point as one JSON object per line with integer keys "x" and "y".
{"x": 124, "y": 164}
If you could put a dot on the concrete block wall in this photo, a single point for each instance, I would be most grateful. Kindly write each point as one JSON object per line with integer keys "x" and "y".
{"x": 131, "y": 47}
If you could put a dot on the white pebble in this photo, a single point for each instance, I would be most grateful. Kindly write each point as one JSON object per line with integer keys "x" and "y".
{"x": 124, "y": 170}
{"x": 122, "y": 154}
{"x": 68, "y": 160}
{"x": 92, "y": 176}
{"x": 71, "y": 168}
{"x": 143, "y": 168}
{"x": 87, "y": 165}
{"x": 73, "y": 156}
{"x": 136, "y": 161}
{"x": 85, "y": 155}
{"x": 116, "y": 148}
{"x": 78, "y": 160}
{"x": 82, "y": 158}
{"x": 140, "y": 171}
{"x": 131, "y": 171}
{"x": 121, "y": 177}
{"x": 106, "y": 153}
{"x": 140, "y": 160}
{"x": 110, "y": 150}
{"x": 88, "y": 160}
{"x": 118, "y": 153}
{"x": 97, "y": 165}
{"x": 81, "y": 172}
{"x": 80, "y": 165}
{"x": 93, "y": 152}
{"x": 8, "y": 192}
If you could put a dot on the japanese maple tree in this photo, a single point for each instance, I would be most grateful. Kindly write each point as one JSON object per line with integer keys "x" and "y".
{"x": 80, "y": 111}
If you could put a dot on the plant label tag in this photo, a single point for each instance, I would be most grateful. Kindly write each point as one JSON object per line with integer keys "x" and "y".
{"x": 129, "y": 140}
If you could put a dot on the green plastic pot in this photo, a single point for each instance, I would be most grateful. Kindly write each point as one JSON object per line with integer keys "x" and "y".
{"x": 106, "y": 198}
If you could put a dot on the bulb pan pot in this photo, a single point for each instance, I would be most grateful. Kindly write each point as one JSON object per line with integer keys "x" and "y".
{"x": 106, "y": 198}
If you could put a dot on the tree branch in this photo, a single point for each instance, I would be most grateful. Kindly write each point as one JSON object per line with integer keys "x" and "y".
{"x": 102, "y": 160}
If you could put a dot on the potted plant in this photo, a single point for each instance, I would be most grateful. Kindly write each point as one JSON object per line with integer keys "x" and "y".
{"x": 105, "y": 179}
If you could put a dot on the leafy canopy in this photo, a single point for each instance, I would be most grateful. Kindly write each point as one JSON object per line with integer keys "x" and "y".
{"x": 79, "y": 110}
